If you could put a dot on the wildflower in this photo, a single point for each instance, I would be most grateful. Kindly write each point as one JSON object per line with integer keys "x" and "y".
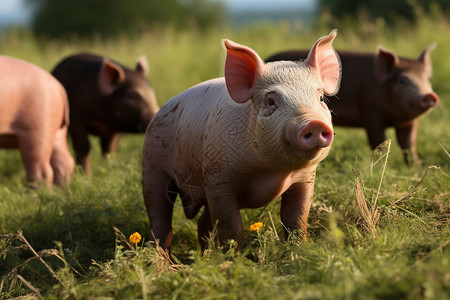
{"x": 255, "y": 227}
{"x": 135, "y": 238}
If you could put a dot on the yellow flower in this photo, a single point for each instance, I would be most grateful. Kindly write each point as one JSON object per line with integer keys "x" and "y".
{"x": 135, "y": 238}
{"x": 255, "y": 227}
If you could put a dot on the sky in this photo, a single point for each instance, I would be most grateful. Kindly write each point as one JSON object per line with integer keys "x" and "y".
{"x": 267, "y": 4}
{"x": 15, "y": 11}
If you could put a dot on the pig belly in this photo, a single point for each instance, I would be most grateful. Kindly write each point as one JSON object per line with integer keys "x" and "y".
{"x": 251, "y": 190}
{"x": 260, "y": 190}
{"x": 191, "y": 194}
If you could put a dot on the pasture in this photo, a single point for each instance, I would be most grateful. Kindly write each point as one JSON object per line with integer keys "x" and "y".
{"x": 377, "y": 228}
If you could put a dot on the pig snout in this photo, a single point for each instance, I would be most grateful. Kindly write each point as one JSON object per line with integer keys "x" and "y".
{"x": 314, "y": 135}
{"x": 429, "y": 100}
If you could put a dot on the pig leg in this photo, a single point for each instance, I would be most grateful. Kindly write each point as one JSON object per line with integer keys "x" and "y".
{"x": 406, "y": 138}
{"x": 109, "y": 143}
{"x": 82, "y": 147}
{"x": 61, "y": 160}
{"x": 225, "y": 213}
{"x": 205, "y": 228}
{"x": 295, "y": 204}
{"x": 160, "y": 195}
{"x": 36, "y": 159}
{"x": 375, "y": 133}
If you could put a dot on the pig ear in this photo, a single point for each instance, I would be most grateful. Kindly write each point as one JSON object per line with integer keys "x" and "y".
{"x": 425, "y": 58}
{"x": 111, "y": 75}
{"x": 385, "y": 63}
{"x": 241, "y": 68}
{"x": 142, "y": 65}
{"x": 325, "y": 60}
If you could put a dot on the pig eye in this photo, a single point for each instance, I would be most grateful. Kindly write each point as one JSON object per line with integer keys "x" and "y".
{"x": 132, "y": 96}
{"x": 322, "y": 98}
{"x": 271, "y": 99}
{"x": 403, "y": 80}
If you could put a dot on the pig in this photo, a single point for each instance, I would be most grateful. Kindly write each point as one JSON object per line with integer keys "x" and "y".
{"x": 105, "y": 98}
{"x": 34, "y": 116}
{"x": 241, "y": 141}
{"x": 379, "y": 91}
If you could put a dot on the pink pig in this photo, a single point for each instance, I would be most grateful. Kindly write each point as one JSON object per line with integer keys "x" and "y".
{"x": 240, "y": 142}
{"x": 34, "y": 116}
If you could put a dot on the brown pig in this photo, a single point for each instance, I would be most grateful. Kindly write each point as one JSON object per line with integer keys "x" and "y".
{"x": 34, "y": 116}
{"x": 381, "y": 91}
{"x": 105, "y": 98}
{"x": 241, "y": 141}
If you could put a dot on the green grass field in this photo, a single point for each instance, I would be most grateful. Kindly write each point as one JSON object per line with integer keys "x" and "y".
{"x": 377, "y": 228}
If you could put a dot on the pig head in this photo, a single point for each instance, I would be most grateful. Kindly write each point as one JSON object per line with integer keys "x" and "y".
{"x": 381, "y": 91}
{"x": 34, "y": 116}
{"x": 240, "y": 142}
{"x": 105, "y": 98}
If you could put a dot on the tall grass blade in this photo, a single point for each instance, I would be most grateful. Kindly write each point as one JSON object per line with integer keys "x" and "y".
{"x": 369, "y": 217}
{"x": 445, "y": 150}
{"x": 385, "y": 149}
{"x": 29, "y": 285}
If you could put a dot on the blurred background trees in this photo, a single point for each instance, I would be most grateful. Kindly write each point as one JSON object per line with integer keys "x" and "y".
{"x": 59, "y": 18}
{"x": 389, "y": 10}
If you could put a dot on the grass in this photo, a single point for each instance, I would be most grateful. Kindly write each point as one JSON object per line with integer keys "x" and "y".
{"x": 377, "y": 228}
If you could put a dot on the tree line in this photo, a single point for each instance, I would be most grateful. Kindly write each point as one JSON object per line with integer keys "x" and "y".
{"x": 60, "y": 18}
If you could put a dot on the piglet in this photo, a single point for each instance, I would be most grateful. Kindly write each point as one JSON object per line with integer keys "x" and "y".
{"x": 105, "y": 98}
{"x": 241, "y": 141}
{"x": 34, "y": 116}
{"x": 379, "y": 91}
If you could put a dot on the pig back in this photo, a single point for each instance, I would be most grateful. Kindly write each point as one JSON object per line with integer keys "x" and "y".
{"x": 190, "y": 132}
{"x": 358, "y": 83}
{"x": 31, "y": 100}
{"x": 79, "y": 75}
